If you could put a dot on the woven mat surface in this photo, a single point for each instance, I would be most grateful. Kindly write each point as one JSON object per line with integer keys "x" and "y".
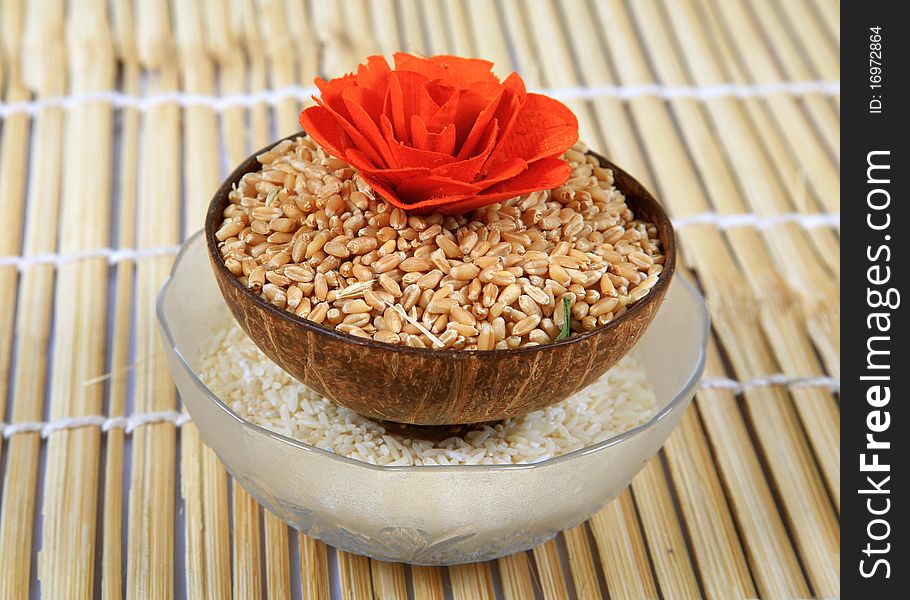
{"x": 119, "y": 119}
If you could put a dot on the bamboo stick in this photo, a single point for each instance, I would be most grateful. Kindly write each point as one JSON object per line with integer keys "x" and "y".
{"x": 488, "y": 35}
{"x": 808, "y": 508}
{"x": 556, "y": 59}
{"x": 791, "y": 59}
{"x": 150, "y": 567}
{"x": 340, "y": 51}
{"x": 41, "y": 53}
{"x": 354, "y": 574}
{"x": 771, "y": 556}
{"x": 67, "y": 558}
{"x": 13, "y": 171}
{"x": 623, "y": 557}
{"x": 112, "y": 502}
{"x": 813, "y": 29}
{"x": 714, "y": 264}
{"x": 806, "y": 276}
{"x": 778, "y": 308}
{"x": 388, "y": 579}
{"x": 333, "y": 24}
{"x": 277, "y": 565}
{"x": 736, "y": 319}
{"x": 251, "y": 35}
{"x": 581, "y": 563}
{"x": 663, "y": 530}
{"x": 302, "y": 37}
{"x": 385, "y": 25}
{"x": 654, "y": 501}
{"x": 760, "y": 183}
{"x": 618, "y": 142}
{"x": 472, "y": 581}
{"x": 247, "y": 538}
{"x": 780, "y": 316}
{"x": 516, "y": 577}
{"x": 200, "y": 122}
{"x": 412, "y": 34}
{"x": 314, "y": 568}
{"x": 427, "y": 582}
{"x": 829, "y": 13}
{"x": 224, "y": 43}
{"x": 521, "y": 44}
{"x": 3, "y": 65}
{"x": 821, "y": 171}
{"x": 549, "y": 569}
{"x": 191, "y": 489}
{"x": 244, "y": 13}
{"x": 282, "y": 56}
{"x": 461, "y": 41}
{"x": 817, "y": 407}
{"x": 358, "y": 14}
{"x": 714, "y": 540}
{"x": 203, "y": 480}
{"x": 435, "y": 25}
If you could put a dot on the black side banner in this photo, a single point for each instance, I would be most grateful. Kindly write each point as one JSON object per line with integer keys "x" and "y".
{"x": 874, "y": 173}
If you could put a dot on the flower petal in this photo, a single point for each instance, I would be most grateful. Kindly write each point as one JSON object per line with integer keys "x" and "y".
{"x": 470, "y": 169}
{"x": 442, "y": 133}
{"x": 417, "y": 158}
{"x": 330, "y": 92}
{"x": 320, "y": 124}
{"x": 432, "y": 186}
{"x": 470, "y": 105}
{"x": 543, "y": 174}
{"x": 503, "y": 170}
{"x": 456, "y": 70}
{"x": 408, "y": 95}
{"x": 374, "y": 75}
{"x": 323, "y": 129}
{"x": 387, "y": 193}
{"x": 445, "y": 114}
{"x": 365, "y": 109}
{"x": 516, "y": 84}
{"x": 441, "y": 92}
{"x": 480, "y": 126}
{"x": 545, "y": 127}
{"x": 442, "y": 142}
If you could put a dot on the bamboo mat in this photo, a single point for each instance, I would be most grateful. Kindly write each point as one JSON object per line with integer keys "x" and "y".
{"x": 119, "y": 120}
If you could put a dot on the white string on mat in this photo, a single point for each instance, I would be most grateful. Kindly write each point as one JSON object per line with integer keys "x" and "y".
{"x": 113, "y": 256}
{"x": 806, "y": 221}
{"x": 792, "y": 88}
{"x": 128, "y": 424}
{"x": 779, "y": 379}
{"x": 116, "y": 255}
{"x": 274, "y": 97}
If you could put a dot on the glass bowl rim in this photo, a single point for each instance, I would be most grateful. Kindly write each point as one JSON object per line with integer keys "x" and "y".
{"x": 660, "y": 415}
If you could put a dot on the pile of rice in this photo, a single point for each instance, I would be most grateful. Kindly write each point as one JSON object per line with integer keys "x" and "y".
{"x": 262, "y": 393}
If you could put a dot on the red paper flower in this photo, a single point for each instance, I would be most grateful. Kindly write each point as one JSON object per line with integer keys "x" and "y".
{"x": 442, "y": 133}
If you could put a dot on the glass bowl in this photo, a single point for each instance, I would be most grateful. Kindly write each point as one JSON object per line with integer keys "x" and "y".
{"x": 428, "y": 515}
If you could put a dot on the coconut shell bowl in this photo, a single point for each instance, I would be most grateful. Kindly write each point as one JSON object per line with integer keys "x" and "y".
{"x": 430, "y": 387}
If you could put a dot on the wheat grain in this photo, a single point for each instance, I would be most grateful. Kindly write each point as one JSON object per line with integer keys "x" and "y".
{"x": 308, "y": 235}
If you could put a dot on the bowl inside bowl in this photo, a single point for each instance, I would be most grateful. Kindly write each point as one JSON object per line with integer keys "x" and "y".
{"x": 438, "y": 387}
{"x": 426, "y": 514}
